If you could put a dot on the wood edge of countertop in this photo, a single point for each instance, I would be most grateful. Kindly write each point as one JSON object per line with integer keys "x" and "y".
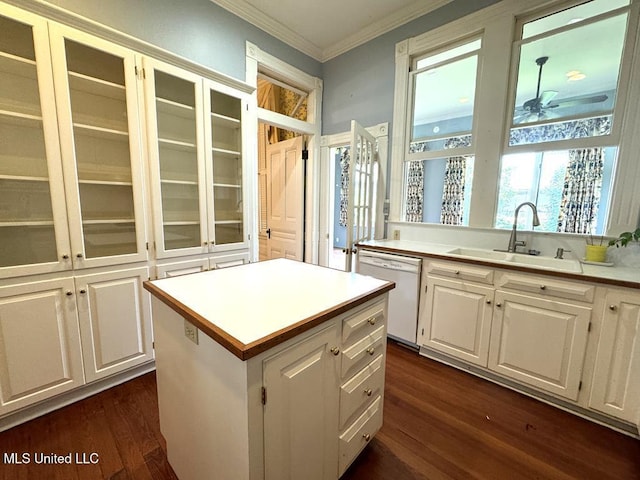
{"x": 520, "y": 268}
{"x": 246, "y": 351}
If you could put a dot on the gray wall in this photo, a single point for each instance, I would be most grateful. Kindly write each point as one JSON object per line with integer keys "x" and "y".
{"x": 198, "y": 30}
{"x": 359, "y": 84}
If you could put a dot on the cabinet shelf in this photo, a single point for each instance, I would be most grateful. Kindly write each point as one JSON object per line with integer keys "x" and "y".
{"x": 177, "y": 224}
{"x": 99, "y": 132}
{"x": 109, "y": 221}
{"x": 34, "y": 223}
{"x": 21, "y": 178}
{"x": 14, "y": 64}
{"x": 227, "y": 185}
{"x": 227, "y": 222}
{"x": 23, "y": 119}
{"x": 95, "y": 86}
{"x": 225, "y": 151}
{"x": 105, "y": 182}
{"x": 178, "y": 182}
{"x": 224, "y": 121}
{"x": 174, "y": 108}
{"x": 177, "y": 145}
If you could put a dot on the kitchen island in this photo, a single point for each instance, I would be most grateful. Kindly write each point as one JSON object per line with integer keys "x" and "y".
{"x": 269, "y": 370}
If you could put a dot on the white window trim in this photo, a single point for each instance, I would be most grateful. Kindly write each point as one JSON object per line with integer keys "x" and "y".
{"x": 259, "y": 60}
{"x": 491, "y": 112}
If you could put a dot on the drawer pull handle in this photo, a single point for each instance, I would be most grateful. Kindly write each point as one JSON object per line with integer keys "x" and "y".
{"x": 366, "y": 437}
{"x": 372, "y": 321}
{"x": 335, "y": 350}
{"x": 613, "y": 308}
{"x": 370, "y": 350}
{"x": 543, "y": 287}
{"x": 368, "y": 392}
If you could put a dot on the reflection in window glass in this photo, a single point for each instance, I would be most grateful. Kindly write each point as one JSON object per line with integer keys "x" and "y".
{"x": 439, "y": 190}
{"x": 571, "y": 189}
{"x": 443, "y": 98}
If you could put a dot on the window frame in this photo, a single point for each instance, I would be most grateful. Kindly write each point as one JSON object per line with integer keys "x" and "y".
{"x": 497, "y": 25}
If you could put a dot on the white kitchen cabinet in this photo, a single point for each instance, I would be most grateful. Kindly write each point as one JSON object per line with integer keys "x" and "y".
{"x": 115, "y": 321}
{"x": 456, "y": 319}
{"x": 196, "y": 146}
{"x": 40, "y": 349}
{"x": 539, "y": 342}
{"x": 33, "y": 218}
{"x": 615, "y": 388}
{"x": 300, "y": 415}
{"x": 100, "y": 130}
{"x": 175, "y": 267}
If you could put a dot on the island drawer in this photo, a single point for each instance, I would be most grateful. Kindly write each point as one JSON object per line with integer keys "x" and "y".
{"x": 363, "y": 322}
{"x": 364, "y": 386}
{"x": 461, "y": 271}
{"x": 363, "y": 350}
{"x": 547, "y": 286}
{"x": 356, "y": 437}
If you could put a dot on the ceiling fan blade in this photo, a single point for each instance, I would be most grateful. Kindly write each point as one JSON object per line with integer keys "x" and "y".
{"x": 579, "y": 101}
{"x": 547, "y": 96}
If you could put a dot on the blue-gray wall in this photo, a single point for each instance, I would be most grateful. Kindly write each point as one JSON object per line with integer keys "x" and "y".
{"x": 359, "y": 84}
{"x": 198, "y": 30}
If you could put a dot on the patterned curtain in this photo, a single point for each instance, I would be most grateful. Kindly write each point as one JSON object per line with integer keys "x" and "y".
{"x": 581, "y": 192}
{"x": 453, "y": 192}
{"x": 344, "y": 184}
{"x": 415, "y": 191}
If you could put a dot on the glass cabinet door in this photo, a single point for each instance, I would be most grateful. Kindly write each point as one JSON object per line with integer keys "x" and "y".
{"x": 33, "y": 223}
{"x": 101, "y": 148}
{"x": 226, "y": 167}
{"x": 174, "y": 111}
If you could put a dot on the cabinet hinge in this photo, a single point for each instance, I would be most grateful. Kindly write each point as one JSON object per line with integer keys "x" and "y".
{"x": 423, "y": 331}
{"x": 153, "y": 345}
{"x": 147, "y": 245}
{"x": 580, "y": 385}
{"x": 264, "y": 396}
{"x": 589, "y": 327}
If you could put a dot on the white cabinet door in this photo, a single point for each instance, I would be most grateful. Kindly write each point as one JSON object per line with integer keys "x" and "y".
{"x": 175, "y": 121}
{"x": 301, "y": 411}
{"x": 184, "y": 267}
{"x": 40, "y": 352}
{"x": 539, "y": 342}
{"x": 97, "y": 98}
{"x": 115, "y": 321}
{"x": 615, "y": 388}
{"x": 33, "y": 219}
{"x": 456, "y": 319}
{"x": 231, "y": 259}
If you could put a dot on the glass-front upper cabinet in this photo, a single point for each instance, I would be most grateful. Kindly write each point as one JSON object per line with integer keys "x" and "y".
{"x": 224, "y": 137}
{"x": 33, "y": 223}
{"x": 176, "y": 150}
{"x": 98, "y": 101}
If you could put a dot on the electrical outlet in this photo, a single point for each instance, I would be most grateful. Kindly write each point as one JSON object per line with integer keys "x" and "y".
{"x": 396, "y": 234}
{"x": 191, "y": 332}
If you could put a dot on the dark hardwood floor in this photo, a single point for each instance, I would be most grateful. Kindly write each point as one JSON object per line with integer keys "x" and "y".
{"x": 440, "y": 423}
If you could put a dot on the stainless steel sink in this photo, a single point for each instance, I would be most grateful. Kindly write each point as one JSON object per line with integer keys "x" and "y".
{"x": 545, "y": 263}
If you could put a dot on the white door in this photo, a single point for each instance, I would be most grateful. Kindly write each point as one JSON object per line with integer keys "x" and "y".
{"x": 285, "y": 200}
{"x": 39, "y": 342}
{"x": 301, "y": 410}
{"x": 115, "y": 321}
{"x": 362, "y": 194}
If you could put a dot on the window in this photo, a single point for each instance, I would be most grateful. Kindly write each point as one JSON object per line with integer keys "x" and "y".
{"x": 531, "y": 109}
{"x": 440, "y": 157}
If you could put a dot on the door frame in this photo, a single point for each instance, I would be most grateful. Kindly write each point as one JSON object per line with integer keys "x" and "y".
{"x": 259, "y": 61}
{"x": 328, "y": 191}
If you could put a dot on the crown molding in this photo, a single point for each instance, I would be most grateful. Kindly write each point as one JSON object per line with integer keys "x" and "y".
{"x": 283, "y": 33}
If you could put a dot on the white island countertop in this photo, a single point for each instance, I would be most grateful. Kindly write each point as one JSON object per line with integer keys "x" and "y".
{"x": 251, "y": 308}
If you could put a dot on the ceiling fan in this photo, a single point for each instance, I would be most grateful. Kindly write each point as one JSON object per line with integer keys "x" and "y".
{"x": 537, "y": 108}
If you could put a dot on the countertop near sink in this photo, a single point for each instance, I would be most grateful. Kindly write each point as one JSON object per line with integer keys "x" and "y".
{"x": 620, "y": 276}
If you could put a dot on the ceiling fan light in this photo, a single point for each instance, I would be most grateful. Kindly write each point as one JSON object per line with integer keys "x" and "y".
{"x": 571, "y": 73}
{"x": 576, "y": 77}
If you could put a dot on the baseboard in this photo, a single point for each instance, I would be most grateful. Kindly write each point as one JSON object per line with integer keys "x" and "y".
{"x": 46, "y": 406}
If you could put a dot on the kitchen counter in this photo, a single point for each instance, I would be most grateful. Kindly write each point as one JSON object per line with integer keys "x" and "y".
{"x": 251, "y": 308}
{"x": 618, "y": 276}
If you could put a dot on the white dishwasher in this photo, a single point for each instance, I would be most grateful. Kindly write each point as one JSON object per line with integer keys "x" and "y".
{"x": 402, "y": 321}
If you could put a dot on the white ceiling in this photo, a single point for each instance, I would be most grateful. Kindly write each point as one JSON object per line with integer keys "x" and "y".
{"x": 325, "y": 29}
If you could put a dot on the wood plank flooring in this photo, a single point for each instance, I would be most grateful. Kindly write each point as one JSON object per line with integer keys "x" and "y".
{"x": 440, "y": 423}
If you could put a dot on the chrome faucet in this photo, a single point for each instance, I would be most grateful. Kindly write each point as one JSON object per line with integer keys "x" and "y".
{"x": 513, "y": 242}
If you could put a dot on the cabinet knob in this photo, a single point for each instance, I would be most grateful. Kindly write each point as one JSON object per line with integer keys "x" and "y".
{"x": 65, "y": 257}
{"x": 498, "y": 304}
{"x": 366, "y": 437}
{"x": 335, "y": 350}
{"x": 83, "y": 291}
{"x": 372, "y": 321}
{"x": 488, "y": 302}
{"x": 613, "y": 308}
{"x": 371, "y": 350}
{"x": 457, "y": 272}
{"x": 543, "y": 287}
{"x": 69, "y": 293}
{"x": 368, "y": 392}
{"x": 79, "y": 255}
{"x": 204, "y": 244}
